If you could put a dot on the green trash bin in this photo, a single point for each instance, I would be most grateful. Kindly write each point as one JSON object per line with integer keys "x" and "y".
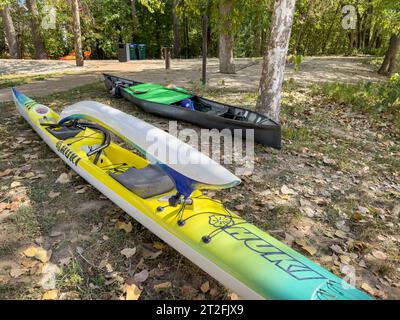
{"x": 133, "y": 51}
{"x": 142, "y": 51}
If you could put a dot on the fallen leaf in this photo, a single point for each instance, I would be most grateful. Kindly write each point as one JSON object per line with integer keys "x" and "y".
{"x": 188, "y": 292}
{"x": 81, "y": 190}
{"x": 307, "y": 247}
{"x": 329, "y": 161}
{"x": 16, "y": 272}
{"x": 132, "y": 292}
{"x": 50, "y": 295}
{"x": 15, "y": 184}
{"x": 49, "y": 272}
{"x": 53, "y": 195}
{"x": 141, "y": 276}
{"x": 158, "y": 245}
{"x": 337, "y": 249}
{"x": 29, "y": 263}
{"x": 308, "y": 211}
{"x": 341, "y": 234}
{"x": 285, "y": 197}
{"x": 109, "y": 268}
{"x": 127, "y": 227}
{"x": 357, "y": 216}
{"x": 214, "y": 292}
{"x": 310, "y": 249}
{"x": 56, "y": 234}
{"x": 128, "y": 252}
{"x": 5, "y": 173}
{"x": 379, "y": 254}
{"x": 367, "y": 288}
{"x": 102, "y": 264}
{"x": 162, "y": 286}
{"x": 64, "y": 178}
{"x": 29, "y": 175}
{"x": 345, "y": 259}
{"x": 233, "y": 296}
{"x": 205, "y": 287}
{"x": 286, "y": 190}
{"x": 65, "y": 261}
{"x": 4, "y": 206}
{"x": 37, "y": 253}
{"x": 239, "y": 207}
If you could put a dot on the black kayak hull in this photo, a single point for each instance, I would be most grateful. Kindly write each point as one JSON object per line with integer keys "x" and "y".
{"x": 266, "y": 134}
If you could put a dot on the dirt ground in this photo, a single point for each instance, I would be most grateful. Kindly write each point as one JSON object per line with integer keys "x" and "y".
{"x": 332, "y": 193}
{"x": 185, "y": 73}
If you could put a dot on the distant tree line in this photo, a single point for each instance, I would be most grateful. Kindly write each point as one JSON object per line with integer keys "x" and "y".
{"x": 237, "y": 28}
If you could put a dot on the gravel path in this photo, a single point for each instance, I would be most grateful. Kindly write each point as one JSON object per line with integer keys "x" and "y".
{"x": 183, "y": 72}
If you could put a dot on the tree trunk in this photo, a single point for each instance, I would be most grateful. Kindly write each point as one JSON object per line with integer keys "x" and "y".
{"x": 256, "y": 44}
{"x": 186, "y": 36}
{"x": 226, "y": 61}
{"x": 389, "y": 64}
{"x": 263, "y": 41}
{"x": 77, "y": 33}
{"x": 269, "y": 97}
{"x": 205, "y": 44}
{"x": 135, "y": 21}
{"x": 38, "y": 42}
{"x": 11, "y": 35}
{"x": 177, "y": 35}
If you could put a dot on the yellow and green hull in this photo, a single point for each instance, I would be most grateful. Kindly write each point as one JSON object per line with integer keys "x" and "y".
{"x": 238, "y": 254}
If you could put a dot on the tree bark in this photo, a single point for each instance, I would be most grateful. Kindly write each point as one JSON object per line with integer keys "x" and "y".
{"x": 11, "y": 35}
{"x": 269, "y": 97}
{"x": 186, "y": 37}
{"x": 226, "y": 61}
{"x": 257, "y": 44}
{"x": 135, "y": 21}
{"x": 77, "y": 33}
{"x": 38, "y": 42}
{"x": 205, "y": 47}
{"x": 389, "y": 64}
{"x": 177, "y": 33}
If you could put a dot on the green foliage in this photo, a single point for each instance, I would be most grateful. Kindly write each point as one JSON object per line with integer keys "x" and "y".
{"x": 377, "y": 99}
{"x": 296, "y": 60}
{"x": 317, "y": 27}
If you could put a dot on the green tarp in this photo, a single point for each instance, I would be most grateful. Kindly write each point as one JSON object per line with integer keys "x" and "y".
{"x": 158, "y": 93}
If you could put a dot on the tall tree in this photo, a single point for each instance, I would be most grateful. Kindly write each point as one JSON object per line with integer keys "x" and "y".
{"x": 177, "y": 33}
{"x": 11, "y": 35}
{"x": 135, "y": 20}
{"x": 38, "y": 42}
{"x": 303, "y": 23}
{"x": 389, "y": 64}
{"x": 205, "y": 47}
{"x": 77, "y": 33}
{"x": 226, "y": 61}
{"x": 269, "y": 97}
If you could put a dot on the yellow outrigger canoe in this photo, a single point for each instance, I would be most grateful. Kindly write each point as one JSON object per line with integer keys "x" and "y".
{"x": 166, "y": 198}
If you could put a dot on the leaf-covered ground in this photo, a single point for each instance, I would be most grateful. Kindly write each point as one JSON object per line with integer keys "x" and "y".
{"x": 331, "y": 193}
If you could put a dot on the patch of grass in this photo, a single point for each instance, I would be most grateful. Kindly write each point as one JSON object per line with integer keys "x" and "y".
{"x": 376, "y": 99}
{"x": 71, "y": 276}
{"x": 11, "y": 291}
{"x": 386, "y": 269}
{"x": 296, "y": 134}
{"x": 26, "y": 221}
{"x": 8, "y": 81}
{"x": 7, "y": 248}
